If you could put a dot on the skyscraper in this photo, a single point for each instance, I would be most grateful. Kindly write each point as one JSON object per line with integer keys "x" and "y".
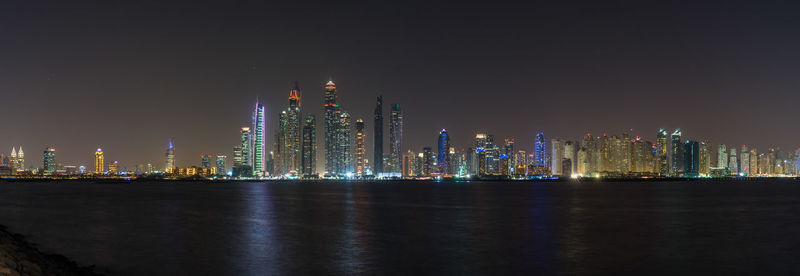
{"x": 205, "y": 161}
{"x": 309, "y": 148}
{"x": 259, "y": 139}
{"x": 677, "y": 154}
{"x": 691, "y": 158}
{"x": 722, "y": 156}
{"x": 662, "y": 153}
{"x": 291, "y": 131}
{"x": 169, "y": 158}
{"x": 570, "y": 151}
{"x": 220, "y": 164}
{"x": 539, "y": 150}
{"x": 113, "y": 168}
{"x": 332, "y": 128}
{"x": 13, "y": 161}
{"x": 361, "y": 148}
{"x": 99, "y": 161}
{"x": 705, "y": 158}
{"x": 49, "y": 161}
{"x": 427, "y": 161}
{"x": 395, "y": 138}
{"x": 345, "y": 156}
{"x": 443, "y": 153}
{"x": 244, "y": 145}
{"x": 744, "y": 161}
{"x": 558, "y": 155}
{"x": 733, "y": 161}
{"x": 377, "y": 144}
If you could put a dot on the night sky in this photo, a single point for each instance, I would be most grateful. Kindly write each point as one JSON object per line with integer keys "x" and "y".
{"x": 129, "y": 76}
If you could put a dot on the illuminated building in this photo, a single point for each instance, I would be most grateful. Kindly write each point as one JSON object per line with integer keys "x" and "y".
{"x": 395, "y": 138}
{"x": 332, "y": 113}
{"x": 12, "y": 163}
{"x": 722, "y": 156}
{"x": 289, "y": 128}
{"x": 345, "y": 160}
{"x": 691, "y": 158}
{"x": 480, "y": 155}
{"x": 259, "y": 139}
{"x": 539, "y": 150}
{"x": 113, "y": 168}
{"x": 638, "y": 151}
{"x": 566, "y": 167}
{"x": 744, "y": 161}
{"x": 520, "y": 162}
{"x": 220, "y": 164}
{"x": 427, "y": 161}
{"x": 623, "y": 154}
{"x": 662, "y": 153}
{"x": 705, "y": 158}
{"x": 49, "y": 161}
{"x": 588, "y": 162}
{"x": 419, "y": 164}
{"x": 244, "y": 146}
{"x": 20, "y": 160}
{"x": 558, "y": 155}
{"x": 377, "y": 144}
{"x": 237, "y": 157}
{"x": 733, "y": 163}
{"x": 677, "y": 161}
{"x": 443, "y": 159}
{"x": 480, "y": 159}
{"x": 504, "y": 165}
{"x": 169, "y": 158}
{"x": 508, "y": 150}
{"x": 338, "y": 160}
{"x": 570, "y": 152}
{"x": 205, "y": 161}
{"x": 308, "y": 157}
{"x": 361, "y": 148}
{"x": 754, "y": 161}
{"x": 409, "y": 164}
{"x": 99, "y": 161}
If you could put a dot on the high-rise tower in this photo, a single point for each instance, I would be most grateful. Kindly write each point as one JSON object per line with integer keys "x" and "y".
{"x": 99, "y": 161}
{"x": 49, "y": 161}
{"x": 169, "y": 158}
{"x": 662, "y": 153}
{"x": 308, "y": 157}
{"x": 332, "y": 119}
{"x": 539, "y": 150}
{"x": 360, "y": 148}
{"x": 377, "y": 145}
{"x": 443, "y": 153}
{"x": 259, "y": 140}
{"x": 291, "y": 130}
{"x": 676, "y": 149}
{"x": 395, "y": 138}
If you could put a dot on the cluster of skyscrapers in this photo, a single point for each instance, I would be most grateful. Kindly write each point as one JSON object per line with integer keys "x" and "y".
{"x": 292, "y": 152}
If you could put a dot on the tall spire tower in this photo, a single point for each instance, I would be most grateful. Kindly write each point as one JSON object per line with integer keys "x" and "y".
{"x": 377, "y": 158}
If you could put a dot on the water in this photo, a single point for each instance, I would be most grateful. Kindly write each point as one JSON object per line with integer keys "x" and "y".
{"x": 243, "y": 228}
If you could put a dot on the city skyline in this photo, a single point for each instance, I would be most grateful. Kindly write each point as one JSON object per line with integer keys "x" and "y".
{"x": 510, "y": 70}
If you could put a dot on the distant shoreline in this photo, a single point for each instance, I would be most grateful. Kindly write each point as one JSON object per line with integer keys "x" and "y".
{"x": 445, "y": 180}
{"x": 18, "y": 257}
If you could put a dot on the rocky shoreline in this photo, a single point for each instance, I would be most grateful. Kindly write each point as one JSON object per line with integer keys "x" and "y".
{"x": 18, "y": 257}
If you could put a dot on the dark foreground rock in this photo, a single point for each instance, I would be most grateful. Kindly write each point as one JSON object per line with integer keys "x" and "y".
{"x": 18, "y": 257}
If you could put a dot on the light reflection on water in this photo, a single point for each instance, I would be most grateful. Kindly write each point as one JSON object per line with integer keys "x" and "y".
{"x": 268, "y": 228}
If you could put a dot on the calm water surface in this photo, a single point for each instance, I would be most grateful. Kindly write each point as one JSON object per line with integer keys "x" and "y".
{"x": 267, "y": 228}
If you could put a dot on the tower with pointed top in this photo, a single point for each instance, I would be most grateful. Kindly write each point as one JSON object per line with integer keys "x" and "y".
{"x": 377, "y": 157}
{"x": 332, "y": 119}
{"x": 20, "y": 160}
{"x": 13, "y": 160}
{"x": 291, "y": 132}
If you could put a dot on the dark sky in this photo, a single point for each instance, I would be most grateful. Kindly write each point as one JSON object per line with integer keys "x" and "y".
{"x": 129, "y": 76}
